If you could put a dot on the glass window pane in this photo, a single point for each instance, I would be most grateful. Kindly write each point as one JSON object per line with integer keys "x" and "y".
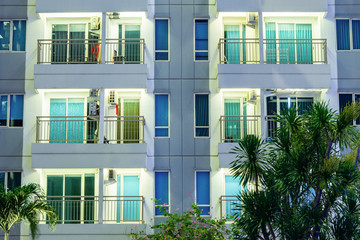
{"x": 14, "y": 180}
{"x": 356, "y": 34}
{"x": 16, "y": 110}
{"x": 357, "y": 97}
{"x": 344, "y": 99}
{"x": 161, "y": 132}
{"x": 54, "y": 193}
{"x": 201, "y": 56}
{"x": 3, "y": 110}
{"x": 161, "y": 110}
{"x": 203, "y": 190}
{"x": 161, "y": 34}
{"x": 19, "y": 35}
{"x": 161, "y": 189}
{"x": 304, "y": 105}
{"x": 162, "y": 56}
{"x": 2, "y": 179}
{"x": 202, "y": 114}
{"x": 201, "y": 39}
{"x": 4, "y": 35}
{"x": 343, "y": 34}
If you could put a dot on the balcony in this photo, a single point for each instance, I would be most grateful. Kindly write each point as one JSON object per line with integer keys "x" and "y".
{"x": 78, "y": 63}
{"x": 73, "y": 142}
{"x": 272, "y": 6}
{"x": 228, "y": 205}
{"x": 284, "y": 63}
{"x": 65, "y": 6}
{"x": 85, "y": 209}
{"x": 234, "y": 128}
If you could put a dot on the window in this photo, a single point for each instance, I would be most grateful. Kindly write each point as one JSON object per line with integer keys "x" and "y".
{"x": 79, "y": 190}
{"x": 201, "y": 115}
{"x": 10, "y": 180}
{"x": 11, "y": 115}
{"x": 203, "y": 192}
{"x": 348, "y": 98}
{"x": 348, "y": 34}
{"x": 161, "y": 39}
{"x": 12, "y": 35}
{"x": 276, "y": 105}
{"x": 232, "y": 189}
{"x": 161, "y": 191}
{"x": 161, "y": 115}
{"x": 201, "y": 39}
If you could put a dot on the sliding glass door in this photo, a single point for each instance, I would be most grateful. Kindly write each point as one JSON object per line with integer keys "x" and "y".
{"x": 130, "y": 47}
{"x": 129, "y": 126}
{"x": 235, "y": 120}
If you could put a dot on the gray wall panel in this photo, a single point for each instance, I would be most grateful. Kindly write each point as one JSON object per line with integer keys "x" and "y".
{"x": 13, "y": 9}
{"x": 349, "y": 71}
{"x": 188, "y": 118}
{"x": 187, "y": 53}
{"x": 347, "y": 8}
{"x": 175, "y": 41}
{"x": 175, "y": 117}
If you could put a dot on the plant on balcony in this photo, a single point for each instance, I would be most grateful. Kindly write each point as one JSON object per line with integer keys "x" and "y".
{"x": 24, "y": 203}
{"x": 189, "y": 225}
{"x": 310, "y": 187}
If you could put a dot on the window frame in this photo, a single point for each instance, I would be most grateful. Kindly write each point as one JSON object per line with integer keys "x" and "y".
{"x": 278, "y": 110}
{"x": 352, "y": 101}
{"x": 209, "y": 107}
{"x": 6, "y": 179}
{"x": 196, "y": 201}
{"x": 194, "y": 40}
{"x": 161, "y": 127}
{"x": 8, "y": 110}
{"x": 12, "y": 35}
{"x": 169, "y": 195}
{"x": 168, "y": 51}
{"x": 350, "y": 36}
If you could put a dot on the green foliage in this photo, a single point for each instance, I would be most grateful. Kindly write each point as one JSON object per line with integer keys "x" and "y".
{"x": 189, "y": 225}
{"x": 24, "y": 203}
{"x": 304, "y": 175}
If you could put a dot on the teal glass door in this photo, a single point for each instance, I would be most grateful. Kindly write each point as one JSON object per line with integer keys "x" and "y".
{"x": 72, "y": 198}
{"x": 54, "y": 192}
{"x": 75, "y": 126}
{"x": 304, "y": 47}
{"x": 232, "y": 47}
{"x": 131, "y": 205}
{"x": 77, "y": 43}
{"x": 59, "y": 43}
{"x": 271, "y": 53}
{"x": 130, "y": 129}
{"x": 287, "y": 47}
{"x": 232, "y": 120}
{"x": 57, "y": 128}
{"x": 118, "y": 202}
{"x": 132, "y": 44}
{"x": 232, "y": 188}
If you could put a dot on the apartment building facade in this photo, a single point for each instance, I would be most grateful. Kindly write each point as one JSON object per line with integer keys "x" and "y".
{"x": 110, "y": 105}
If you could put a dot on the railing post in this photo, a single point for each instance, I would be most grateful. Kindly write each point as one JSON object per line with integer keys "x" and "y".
{"x": 261, "y": 37}
{"x": 103, "y": 38}
{"x": 101, "y": 195}
{"x": 325, "y": 51}
{"x": 102, "y": 115}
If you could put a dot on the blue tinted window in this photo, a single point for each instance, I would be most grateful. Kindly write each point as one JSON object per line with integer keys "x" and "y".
{"x": 343, "y": 34}
{"x": 3, "y": 110}
{"x": 16, "y": 110}
{"x": 4, "y": 35}
{"x": 19, "y": 35}
{"x": 202, "y": 115}
{"x": 161, "y": 39}
{"x": 161, "y": 115}
{"x": 201, "y": 39}
{"x": 356, "y": 34}
{"x": 161, "y": 190}
{"x": 203, "y": 191}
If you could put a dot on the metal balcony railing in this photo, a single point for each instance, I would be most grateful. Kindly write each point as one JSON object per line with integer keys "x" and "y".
{"x": 295, "y": 51}
{"x": 84, "y": 51}
{"x": 125, "y": 51}
{"x": 228, "y": 205}
{"x": 66, "y": 129}
{"x": 85, "y": 209}
{"x": 234, "y": 128}
{"x": 85, "y": 129}
{"x": 276, "y": 51}
{"x": 271, "y": 126}
{"x": 119, "y": 209}
{"x": 239, "y": 51}
{"x": 67, "y": 51}
{"x": 124, "y": 129}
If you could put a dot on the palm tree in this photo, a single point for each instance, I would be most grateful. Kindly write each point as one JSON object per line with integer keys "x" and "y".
{"x": 24, "y": 203}
{"x": 250, "y": 163}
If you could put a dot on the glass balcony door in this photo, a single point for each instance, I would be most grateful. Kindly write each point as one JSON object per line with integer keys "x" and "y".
{"x": 235, "y": 50}
{"x": 235, "y": 123}
{"x": 128, "y": 127}
{"x": 128, "y": 202}
{"x": 129, "y": 46}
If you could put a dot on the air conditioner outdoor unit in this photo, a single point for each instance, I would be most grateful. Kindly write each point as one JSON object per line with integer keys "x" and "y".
{"x": 252, "y": 96}
{"x": 251, "y": 19}
{"x": 93, "y": 93}
{"x": 95, "y": 23}
{"x": 112, "y": 175}
{"x": 113, "y": 97}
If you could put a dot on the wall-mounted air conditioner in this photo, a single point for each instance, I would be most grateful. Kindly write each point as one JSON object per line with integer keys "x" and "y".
{"x": 113, "y": 97}
{"x": 251, "y": 19}
{"x": 95, "y": 23}
{"x": 112, "y": 175}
